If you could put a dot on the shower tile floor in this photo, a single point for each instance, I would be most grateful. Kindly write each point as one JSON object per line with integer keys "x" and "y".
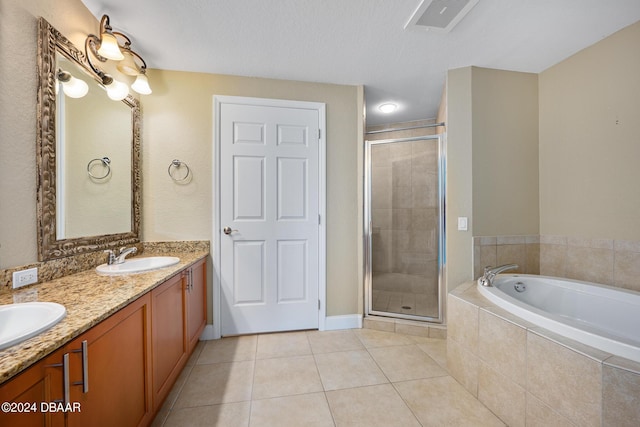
{"x": 356, "y": 377}
{"x": 404, "y": 293}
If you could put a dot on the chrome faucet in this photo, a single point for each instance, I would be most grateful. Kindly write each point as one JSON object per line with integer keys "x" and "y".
{"x": 490, "y": 273}
{"x": 124, "y": 252}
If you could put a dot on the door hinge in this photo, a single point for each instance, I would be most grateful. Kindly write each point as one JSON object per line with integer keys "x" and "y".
{"x": 318, "y": 304}
{"x": 319, "y": 220}
{"x": 319, "y": 133}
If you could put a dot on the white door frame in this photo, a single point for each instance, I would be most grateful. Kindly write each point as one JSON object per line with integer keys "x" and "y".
{"x": 218, "y": 100}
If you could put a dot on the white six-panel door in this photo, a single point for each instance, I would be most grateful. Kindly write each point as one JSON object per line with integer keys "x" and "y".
{"x": 269, "y": 207}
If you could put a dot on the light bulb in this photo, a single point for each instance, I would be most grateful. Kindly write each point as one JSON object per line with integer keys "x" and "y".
{"x": 141, "y": 85}
{"x": 117, "y": 90}
{"x": 109, "y": 47}
{"x": 128, "y": 64}
{"x": 75, "y": 88}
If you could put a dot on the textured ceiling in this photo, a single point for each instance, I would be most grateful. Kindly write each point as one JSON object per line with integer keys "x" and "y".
{"x": 361, "y": 42}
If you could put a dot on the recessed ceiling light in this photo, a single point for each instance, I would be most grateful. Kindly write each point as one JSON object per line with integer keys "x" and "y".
{"x": 388, "y": 108}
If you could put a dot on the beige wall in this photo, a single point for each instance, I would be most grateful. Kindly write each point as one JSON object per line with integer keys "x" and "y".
{"x": 505, "y": 152}
{"x": 492, "y": 160}
{"x": 18, "y": 48}
{"x": 178, "y": 123}
{"x": 589, "y": 141}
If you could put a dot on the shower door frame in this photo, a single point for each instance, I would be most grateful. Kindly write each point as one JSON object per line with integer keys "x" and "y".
{"x": 368, "y": 274}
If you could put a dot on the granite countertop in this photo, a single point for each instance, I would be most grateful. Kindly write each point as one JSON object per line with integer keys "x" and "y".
{"x": 89, "y": 298}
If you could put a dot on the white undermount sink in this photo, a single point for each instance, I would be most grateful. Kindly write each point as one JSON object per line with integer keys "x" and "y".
{"x": 138, "y": 265}
{"x": 19, "y": 322}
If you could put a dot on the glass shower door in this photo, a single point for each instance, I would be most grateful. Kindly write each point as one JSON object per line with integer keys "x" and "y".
{"x": 405, "y": 212}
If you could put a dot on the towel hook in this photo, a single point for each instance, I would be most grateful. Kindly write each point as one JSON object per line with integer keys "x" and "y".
{"x": 175, "y": 163}
{"x": 106, "y": 162}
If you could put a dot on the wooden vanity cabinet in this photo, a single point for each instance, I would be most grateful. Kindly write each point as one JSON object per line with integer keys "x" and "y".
{"x": 42, "y": 382}
{"x": 117, "y": 391}
{"x": 196, "y": 311}
{"x": 179, "y": 316}
{"x": 168, "y": 336}
{"x": 121, "y": 370}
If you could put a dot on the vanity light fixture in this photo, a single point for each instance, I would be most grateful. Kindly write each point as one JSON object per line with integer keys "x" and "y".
{"x": 388, "y": 107}
{"x": 107, "y": 47}
{"x": 71, "y": 86}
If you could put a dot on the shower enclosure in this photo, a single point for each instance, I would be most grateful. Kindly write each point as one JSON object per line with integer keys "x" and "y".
{"x": 404, "y": 227}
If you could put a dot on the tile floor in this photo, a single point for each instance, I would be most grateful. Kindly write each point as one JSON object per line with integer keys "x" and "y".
{"x": 359, "y": 377}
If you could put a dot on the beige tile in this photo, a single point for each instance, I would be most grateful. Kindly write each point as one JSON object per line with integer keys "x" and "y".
{"x": 566, "y": 381}
{"x": 371, "y": 338}
{"x": 532, "y": 265}
{"x": 553, "y": 240}
{"x": 512, "y": 254}
{"x": 415, "y": 330}
{"x": 372, "y": 406}
{"x": 590, "y": 264}
{"x": 425, "y": 196}
{"x": 193, "y": 359}
{"x": 282, "y": 345}
{"x": 488, "y": 240}
{"x": 348, "y": 369}
{"x": 553, "y": 259}
{"x": 401, "y": 197}
{"x": 590, "y": 243}
{"x": 441, "y": 401}
{"x": 627, "y": 245}
{"x": 502, "y": 396}
{"x": 503, "y": 346}
{"x": 381, "y": 194}
{"x": 436, "y": 349}
{"x": 217, "y": 383}
{"x": 621, "y": 397}
{"x": 381, "y": 218}
{"x": 463, "y": 366}
{"x": 232, "y": 349}
{"x": 285, "y": 376}
{"x": 627, "y": 270}
{"x": 302, "y": 410}
{"x": 488, "y": 256}
{"x": 400, "y": 151}
{"x": 225, "y": 415}
{"x": 177, "y": 388}
{"x": 401, "y": 172}
{"x": 511, "y": 240}
{"x": 478, "y": 266}
{"x": 330, "y": 341}
{"x": 540, "y": 415}
{"x": 463, "y": 323}
{"x": 405, "y": 362}
{"x": 439, "y": 333}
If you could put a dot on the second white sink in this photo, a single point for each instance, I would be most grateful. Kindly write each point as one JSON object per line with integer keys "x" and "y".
{"x": 19, "y": 322}
{"x": 138, "y": 265}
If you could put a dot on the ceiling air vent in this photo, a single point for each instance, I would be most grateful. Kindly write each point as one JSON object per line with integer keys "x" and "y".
{"x": 439, "y": 15}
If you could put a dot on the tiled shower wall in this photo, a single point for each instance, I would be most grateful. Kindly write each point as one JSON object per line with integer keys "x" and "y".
{"x": 606, "y": 261}
{"x": 405, "y": 207}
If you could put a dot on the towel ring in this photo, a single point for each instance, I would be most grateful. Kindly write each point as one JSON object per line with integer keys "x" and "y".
{"x": 105, "y": 162}
{"x": 178, "y": 164}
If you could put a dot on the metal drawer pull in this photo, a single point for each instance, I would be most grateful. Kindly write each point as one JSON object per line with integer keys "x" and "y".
{"x": 85, "y": 366}
{"x": 65, "y": 378}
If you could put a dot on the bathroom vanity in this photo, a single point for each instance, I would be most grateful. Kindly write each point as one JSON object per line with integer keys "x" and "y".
{"x": 115, "y": 356}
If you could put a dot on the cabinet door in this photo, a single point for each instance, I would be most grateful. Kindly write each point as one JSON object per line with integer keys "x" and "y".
{"x": 168, "y": 336}
{"x": 114, "y": 390}
{"x": 41, "y": 383}
{"x": 196, "y": 303}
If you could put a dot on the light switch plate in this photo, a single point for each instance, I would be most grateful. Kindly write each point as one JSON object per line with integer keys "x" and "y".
{"x": 463, "y": 223}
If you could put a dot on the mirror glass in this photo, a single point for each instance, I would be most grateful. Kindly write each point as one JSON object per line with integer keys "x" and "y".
{"x": 93, "y": 147}
{"x": 88, "y": 156}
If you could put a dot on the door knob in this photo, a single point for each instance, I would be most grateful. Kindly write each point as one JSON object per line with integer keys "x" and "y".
{"x": 228, "y": 230}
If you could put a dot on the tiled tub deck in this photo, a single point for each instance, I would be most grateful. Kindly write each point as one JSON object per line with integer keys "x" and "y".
{"x": 530, "y": 376}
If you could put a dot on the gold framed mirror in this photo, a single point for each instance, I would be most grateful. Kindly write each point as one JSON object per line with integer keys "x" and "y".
{"x": 99, "y": 208}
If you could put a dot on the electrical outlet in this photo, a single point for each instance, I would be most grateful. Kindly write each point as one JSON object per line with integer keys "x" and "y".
{"x": 25, "y": 277}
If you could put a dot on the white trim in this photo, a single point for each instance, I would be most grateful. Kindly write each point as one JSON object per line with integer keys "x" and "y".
{"x": 347, "y": 321}
{"x": 218, "y": 100}
{"x": 208, "y": 333}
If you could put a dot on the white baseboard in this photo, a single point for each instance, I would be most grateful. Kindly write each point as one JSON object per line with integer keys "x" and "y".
{"x": 208, "y": 333}
{"x": 347, "y": 321}
{"x": 332, "y": 323}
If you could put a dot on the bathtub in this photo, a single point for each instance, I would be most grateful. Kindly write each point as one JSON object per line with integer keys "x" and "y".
{"x": 600, "y": 316}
